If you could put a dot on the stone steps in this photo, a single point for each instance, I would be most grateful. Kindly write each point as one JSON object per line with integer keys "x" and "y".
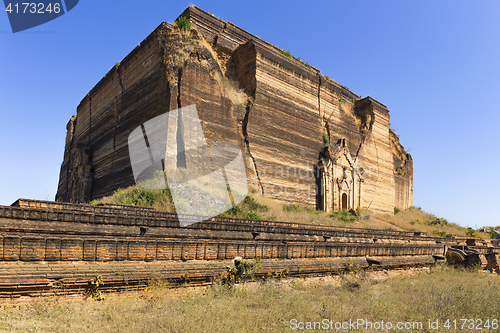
{"x": 42, "y": 279}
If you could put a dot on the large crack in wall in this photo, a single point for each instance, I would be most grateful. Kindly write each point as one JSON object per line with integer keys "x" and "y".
{"x": 247, "y": 145}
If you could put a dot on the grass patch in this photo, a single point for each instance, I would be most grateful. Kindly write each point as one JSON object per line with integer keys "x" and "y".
{"x": 293, "y": 208}
{"x": 136, "y": 195}
{"x": 343, "y": 215}
{"x": 247, "y": 209}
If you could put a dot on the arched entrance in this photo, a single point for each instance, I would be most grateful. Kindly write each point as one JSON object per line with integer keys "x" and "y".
{"x": 344, "y": 201}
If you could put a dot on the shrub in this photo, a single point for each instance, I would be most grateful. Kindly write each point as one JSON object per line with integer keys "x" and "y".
{"x": 440, "y": 233}
{"x": 492, "y": 234}
{"x": 93, "y": 288}
{"x": 396, "y": 210}
{"x": 183, "y": 23}
{"x": 471, "y": 232}
{"x": 253, "y": 216}
{"x": 254, "y": 205}
{"x": 247, "y": 209}
{"x": 343, "y": 216}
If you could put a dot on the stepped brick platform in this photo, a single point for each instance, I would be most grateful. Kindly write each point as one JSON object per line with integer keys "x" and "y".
{"x": 54, "y": 248}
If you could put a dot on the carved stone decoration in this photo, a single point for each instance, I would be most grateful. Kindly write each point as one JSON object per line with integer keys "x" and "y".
{"x": 341, "y": 180}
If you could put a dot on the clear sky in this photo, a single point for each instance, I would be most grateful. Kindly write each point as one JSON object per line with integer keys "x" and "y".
{"x": 435, "y": 64}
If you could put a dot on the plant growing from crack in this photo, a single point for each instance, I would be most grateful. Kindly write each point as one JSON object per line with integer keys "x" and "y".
{"x": 183, "y": 23}
{"x": 93, "y": 288}
{"x": 326, "y": 139}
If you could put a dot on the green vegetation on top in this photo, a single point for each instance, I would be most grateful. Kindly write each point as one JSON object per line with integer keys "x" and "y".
{"x": 289, "y": 55}
{"x": 183, "y": 23}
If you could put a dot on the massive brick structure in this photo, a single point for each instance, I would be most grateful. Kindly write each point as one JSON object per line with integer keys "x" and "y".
{"x": 306, "y": 139}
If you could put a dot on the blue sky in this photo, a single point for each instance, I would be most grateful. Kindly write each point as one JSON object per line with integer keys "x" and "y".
{"x": 435, "y": 64}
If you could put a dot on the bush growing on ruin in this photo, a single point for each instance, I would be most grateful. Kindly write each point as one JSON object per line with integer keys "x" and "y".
{"x": 183, "y": 23}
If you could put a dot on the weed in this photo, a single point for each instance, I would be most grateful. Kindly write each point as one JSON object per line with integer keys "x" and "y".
{"x": 93, "y": 288}
{"x": 247, "y": 209}
{"x": 183, "y": 23}
{"x": 253, "y": 216}
{"x": 326, "y": 139}
{"x": 286, "y": 53}
{"x": 139, "y": 195}
{"x": 184, "y": 278}
{"x": 352, "y": 267}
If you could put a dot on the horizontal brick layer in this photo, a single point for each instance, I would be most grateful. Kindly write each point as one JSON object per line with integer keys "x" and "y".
{"x": 86, "y": 214}
{"x": 31, "y": 248}
{"x": 37, "y": 279}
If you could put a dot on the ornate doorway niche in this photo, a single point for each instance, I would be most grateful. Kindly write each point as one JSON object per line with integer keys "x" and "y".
{"x": 340, "y": 179}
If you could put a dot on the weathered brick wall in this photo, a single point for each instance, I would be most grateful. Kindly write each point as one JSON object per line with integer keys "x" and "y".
{"x": 56, "y": 248}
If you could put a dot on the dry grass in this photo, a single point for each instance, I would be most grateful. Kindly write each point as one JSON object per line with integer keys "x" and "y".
{"x": 230, "y": 89}
{"x": 441, "y": 293}
{"x": 411, "y": 219}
